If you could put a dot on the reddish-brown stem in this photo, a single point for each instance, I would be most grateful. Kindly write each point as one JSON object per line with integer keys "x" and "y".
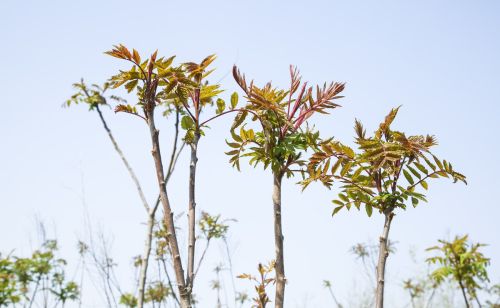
{"x": 168, "y": 214}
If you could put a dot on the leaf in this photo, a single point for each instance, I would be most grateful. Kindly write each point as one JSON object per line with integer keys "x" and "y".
{"x": 240, "y": 117}
{"x": 438, "y": 162}
{"x": 234, "y": 100}
{"x": 326, "y": 166}
{"x": 187, "y": 122}
{"x": 337, "y": 209}
{"x": 336, "y": 165}
{"x": 357, "y": 173}
{"x": 415, "y": 172}
{"x": 369, "y": 209}
{"x": 221, "y": 106}
{"x": 233, "y": 144}
{"x": 421, "y": 167}
{"x": 360, "y": 131}
{"x": 338, "y": 202}
{"x": 206, "y": 62}
{"x": 414, "y": 201}
{"x": 135, "y": 56}
{"x": 345, "y": 168}
{"x": 424, "y": 185}
{"x": 250, "y": 134}
{"x": 125, "y": 108}
{"x": 243, "y": 134}
{"x": 348, "y": 151}
{"x": 131, "y": 85}
{"x": 235, "y": 136}
{"x": 384, "y": 126}
{"x": 408, "y": 177}
{"x": 343, "y": 197}
{"x": 433, "y": 167}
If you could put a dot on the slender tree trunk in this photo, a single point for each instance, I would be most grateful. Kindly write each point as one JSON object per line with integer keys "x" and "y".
{"x": 192, "y": 211}
{"x": 151, "y": 222}
{"x": 184, "y": 293}
{"x": 462, "y": 288}
{"x": 382, "y": 258}
{"x": 278, "y": 242}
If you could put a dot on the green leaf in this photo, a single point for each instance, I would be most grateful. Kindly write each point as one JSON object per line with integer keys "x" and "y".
{"x": 337, "y": 209}
{"x": 414, "y": 201}
{"x": 221, "y": 106}
{"x": 234, "y": 100}
{"x": 408, "y": 177}
{"x": 345, "y": 168}
{"x": 415, "y": 172}
{"x": 235, "y": 136}
{"x": 421, "y": 168}
{"x": 233, "y": 144}
{"x": 131, "y": 85}
{"x": 187, "y": 122}
{"x": 357, "y": 173}
{"x": 338, "y": 202}
{"x": 336, "y": 165}
{"x": 243, "y": 134}
{"x": 369, "y": 209}
{"x": 240, "y": 117}
{"x": 438, "y": 162}
{"x": 433, "y": 167}
{"x": 424, "y": 185}
{"x": 343, "y": 197}
{"x": 250, "y": 134}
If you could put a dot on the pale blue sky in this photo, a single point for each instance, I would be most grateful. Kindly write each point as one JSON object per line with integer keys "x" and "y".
{"x": 439, "y": 59}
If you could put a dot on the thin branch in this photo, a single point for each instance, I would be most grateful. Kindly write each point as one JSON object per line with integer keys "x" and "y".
{"x": 230, "y": 268}
{"x": 169, "y": 281}
{"x": 424, "y": 178}
{"x": 124, "y": 160}
{"x": 333, "y": 296}
{"x": 396, "y": 176}
{"x": 201, "y": 258}
{"x": 226, "y": 112}
{"x": 189, "y": 111}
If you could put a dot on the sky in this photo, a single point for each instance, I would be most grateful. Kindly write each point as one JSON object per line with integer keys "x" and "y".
{"x": 438, "y": 59}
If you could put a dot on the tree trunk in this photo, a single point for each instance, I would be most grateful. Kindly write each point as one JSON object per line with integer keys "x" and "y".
{"x": 278, "y": 242}
{"x": 382, "y": 258}
{"x": 186, "y": 300}
{"x": 192, "y": 211}
{"x": 184, "y": 293}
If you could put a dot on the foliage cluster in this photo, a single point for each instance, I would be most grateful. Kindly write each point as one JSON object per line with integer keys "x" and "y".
{"x": 38, "y": 277}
